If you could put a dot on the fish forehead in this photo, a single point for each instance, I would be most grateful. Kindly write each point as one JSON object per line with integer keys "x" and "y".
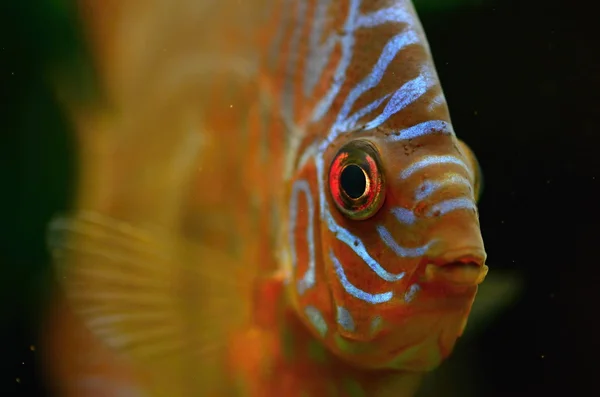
{"x": 328, "y": 44}
{"x": 341, "y": 66}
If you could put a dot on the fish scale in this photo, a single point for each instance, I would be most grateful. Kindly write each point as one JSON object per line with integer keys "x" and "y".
{"x": 211, "y": 250}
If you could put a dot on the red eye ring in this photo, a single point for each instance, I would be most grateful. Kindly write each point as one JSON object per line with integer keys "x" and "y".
{"x": 356, "y": 181}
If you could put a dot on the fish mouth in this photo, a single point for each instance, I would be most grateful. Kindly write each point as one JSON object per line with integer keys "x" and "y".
{"x": 466, "y": 271}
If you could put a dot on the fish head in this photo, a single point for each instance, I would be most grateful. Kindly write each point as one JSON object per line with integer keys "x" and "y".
{"x": 395, "y": 263}
{"x": 402, "y": 246}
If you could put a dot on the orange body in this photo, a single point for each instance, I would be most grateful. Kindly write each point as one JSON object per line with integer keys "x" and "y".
{"x": 272, "y": 202}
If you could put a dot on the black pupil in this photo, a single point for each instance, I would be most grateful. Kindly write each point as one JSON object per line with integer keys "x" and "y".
{"x": 353, "y": 181}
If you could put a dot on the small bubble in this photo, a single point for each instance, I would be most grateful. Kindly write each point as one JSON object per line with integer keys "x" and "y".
{"x": 542, "y": 356}
{"x": 32, "y": 348}
{"x": 18, "y": 380}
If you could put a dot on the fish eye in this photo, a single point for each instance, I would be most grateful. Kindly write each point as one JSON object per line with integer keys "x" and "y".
{"x": 356, "y": 181}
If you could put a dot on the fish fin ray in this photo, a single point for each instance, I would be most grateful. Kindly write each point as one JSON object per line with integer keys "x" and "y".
{"x": 149, "y": 296}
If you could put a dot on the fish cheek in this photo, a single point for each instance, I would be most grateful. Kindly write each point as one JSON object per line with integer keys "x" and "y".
{"x": 356, "y": 291}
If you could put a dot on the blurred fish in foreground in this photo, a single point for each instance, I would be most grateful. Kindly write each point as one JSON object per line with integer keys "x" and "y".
{"x": 272, "y": 202}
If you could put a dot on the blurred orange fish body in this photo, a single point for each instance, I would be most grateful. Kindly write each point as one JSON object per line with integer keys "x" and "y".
{"x": 272, "y": 202}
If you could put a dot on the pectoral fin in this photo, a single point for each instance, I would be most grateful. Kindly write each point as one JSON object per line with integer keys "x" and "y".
{"x": 496, "y": 293}
{"x": 164, "y": 303}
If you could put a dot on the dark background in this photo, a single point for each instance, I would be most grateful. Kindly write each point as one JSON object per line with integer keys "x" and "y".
{"x": 518, "y": 76}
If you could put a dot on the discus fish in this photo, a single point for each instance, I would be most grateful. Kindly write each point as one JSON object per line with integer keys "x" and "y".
{"x": 272, "y": 202}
